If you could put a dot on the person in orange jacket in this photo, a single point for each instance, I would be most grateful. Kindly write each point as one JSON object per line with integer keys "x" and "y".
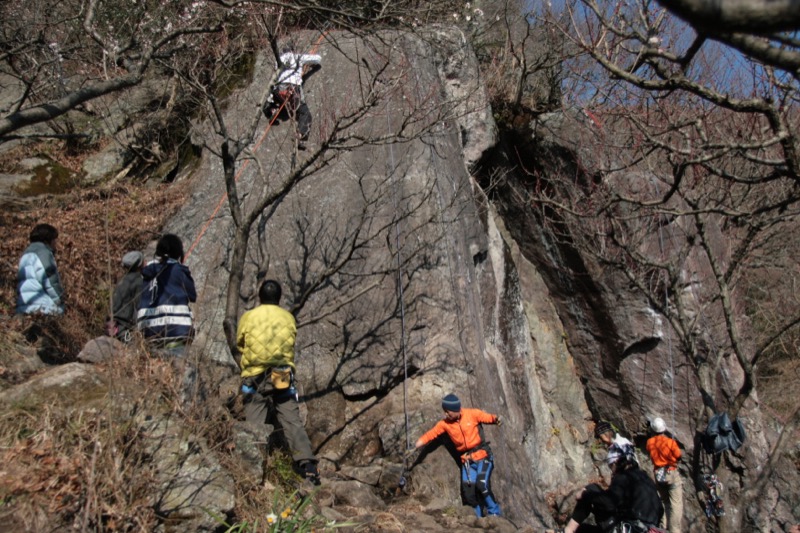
{"x": 464, "y": 427}
{"x": 665, "y": 454}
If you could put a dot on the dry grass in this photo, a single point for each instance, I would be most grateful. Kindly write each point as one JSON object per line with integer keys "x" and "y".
{"x": 64, "y": 464}
{"x": 84, "y": 466}
{"x": 96, "y": 228}
{"x": 775, "y": 379}
{"x": 84, "y": 463}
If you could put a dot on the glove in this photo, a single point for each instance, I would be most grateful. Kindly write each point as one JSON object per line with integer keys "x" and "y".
{"x": 498, "y": 421}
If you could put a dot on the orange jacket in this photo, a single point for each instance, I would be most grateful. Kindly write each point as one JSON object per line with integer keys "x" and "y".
{"x": 663, "y": 451}
{"x": 464, "y": 432}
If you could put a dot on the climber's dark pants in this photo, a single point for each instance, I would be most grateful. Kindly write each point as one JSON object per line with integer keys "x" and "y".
{"x": 257, "y": 407}
{"x": 585, "y": 506}
{"x": 295, "y": 106}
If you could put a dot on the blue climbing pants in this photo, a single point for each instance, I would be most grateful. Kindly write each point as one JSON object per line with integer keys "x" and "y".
{"x": 475, "y": 487}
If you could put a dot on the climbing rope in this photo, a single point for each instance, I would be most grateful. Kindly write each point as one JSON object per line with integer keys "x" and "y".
{"x": 445, "y": 201}
{"x": 668, "y": 333}
{"x": 400, "y": 293}
{"x": 669, "y": 326}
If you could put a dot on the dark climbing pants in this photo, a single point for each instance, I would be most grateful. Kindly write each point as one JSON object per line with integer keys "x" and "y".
{"x": 295, "y": 107}
{"x": 585, "y": 506}
{"x": 257, "y": 408}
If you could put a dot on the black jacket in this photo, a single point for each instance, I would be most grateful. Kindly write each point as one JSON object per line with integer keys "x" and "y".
{"x": 632, "y": 495}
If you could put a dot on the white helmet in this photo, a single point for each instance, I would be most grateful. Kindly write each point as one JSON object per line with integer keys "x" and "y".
{"x": 658, "y": 425}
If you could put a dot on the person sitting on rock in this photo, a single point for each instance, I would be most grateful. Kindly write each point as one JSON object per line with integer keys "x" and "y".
{"x": 464, "y": 427}
{"x": 39, "y": 287}
{"x": 631, "y": 502}
{"x": 266, "y": 338}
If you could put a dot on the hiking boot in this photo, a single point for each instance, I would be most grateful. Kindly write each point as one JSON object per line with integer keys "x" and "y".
{"x": 310, "y": 472}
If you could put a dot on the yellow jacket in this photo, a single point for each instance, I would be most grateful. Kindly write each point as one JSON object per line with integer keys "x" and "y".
{"x": 266, "y": 338}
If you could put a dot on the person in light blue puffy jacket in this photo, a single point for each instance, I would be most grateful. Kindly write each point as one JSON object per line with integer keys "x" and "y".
{"x": 39, "y": 287}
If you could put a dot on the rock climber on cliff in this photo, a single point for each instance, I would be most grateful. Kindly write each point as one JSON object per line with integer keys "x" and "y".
{"x": 464, "y": 427}
{"x": 288, "y": 92}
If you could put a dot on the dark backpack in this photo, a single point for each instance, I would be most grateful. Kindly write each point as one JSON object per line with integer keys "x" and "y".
{"x": 722, "y": 434}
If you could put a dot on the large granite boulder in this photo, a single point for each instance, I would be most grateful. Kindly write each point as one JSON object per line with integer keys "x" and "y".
{"x": 374, "y": 358}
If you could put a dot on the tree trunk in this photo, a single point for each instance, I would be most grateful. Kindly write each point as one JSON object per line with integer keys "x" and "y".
{"x": 238, "y": 255}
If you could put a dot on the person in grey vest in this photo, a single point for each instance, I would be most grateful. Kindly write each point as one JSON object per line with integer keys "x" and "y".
{"x": 125, "y": 300}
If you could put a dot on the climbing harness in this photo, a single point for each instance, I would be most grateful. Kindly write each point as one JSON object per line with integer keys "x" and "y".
{"x": 636, "y": 526}
{"x": 467, "y": 455}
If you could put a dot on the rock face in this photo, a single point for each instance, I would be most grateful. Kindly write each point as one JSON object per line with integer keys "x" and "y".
{"x": 409, "y": 283}
{"x": 628, "y": 357}
{"x": 413, "y": 272}
{"x": 470, "y": 314}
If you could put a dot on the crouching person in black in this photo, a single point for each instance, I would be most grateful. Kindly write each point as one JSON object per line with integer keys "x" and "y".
{"x": 630, "y": 504}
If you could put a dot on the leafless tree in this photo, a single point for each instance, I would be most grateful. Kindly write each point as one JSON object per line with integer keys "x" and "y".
{"x": 343, "y": 129}
{"x": 693, "y": 186}
{"x": 763, "y": 30}
{"x": 57, "y": 57}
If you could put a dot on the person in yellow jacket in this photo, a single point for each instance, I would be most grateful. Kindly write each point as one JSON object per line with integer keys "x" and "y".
{"x": 265, "y": 338}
